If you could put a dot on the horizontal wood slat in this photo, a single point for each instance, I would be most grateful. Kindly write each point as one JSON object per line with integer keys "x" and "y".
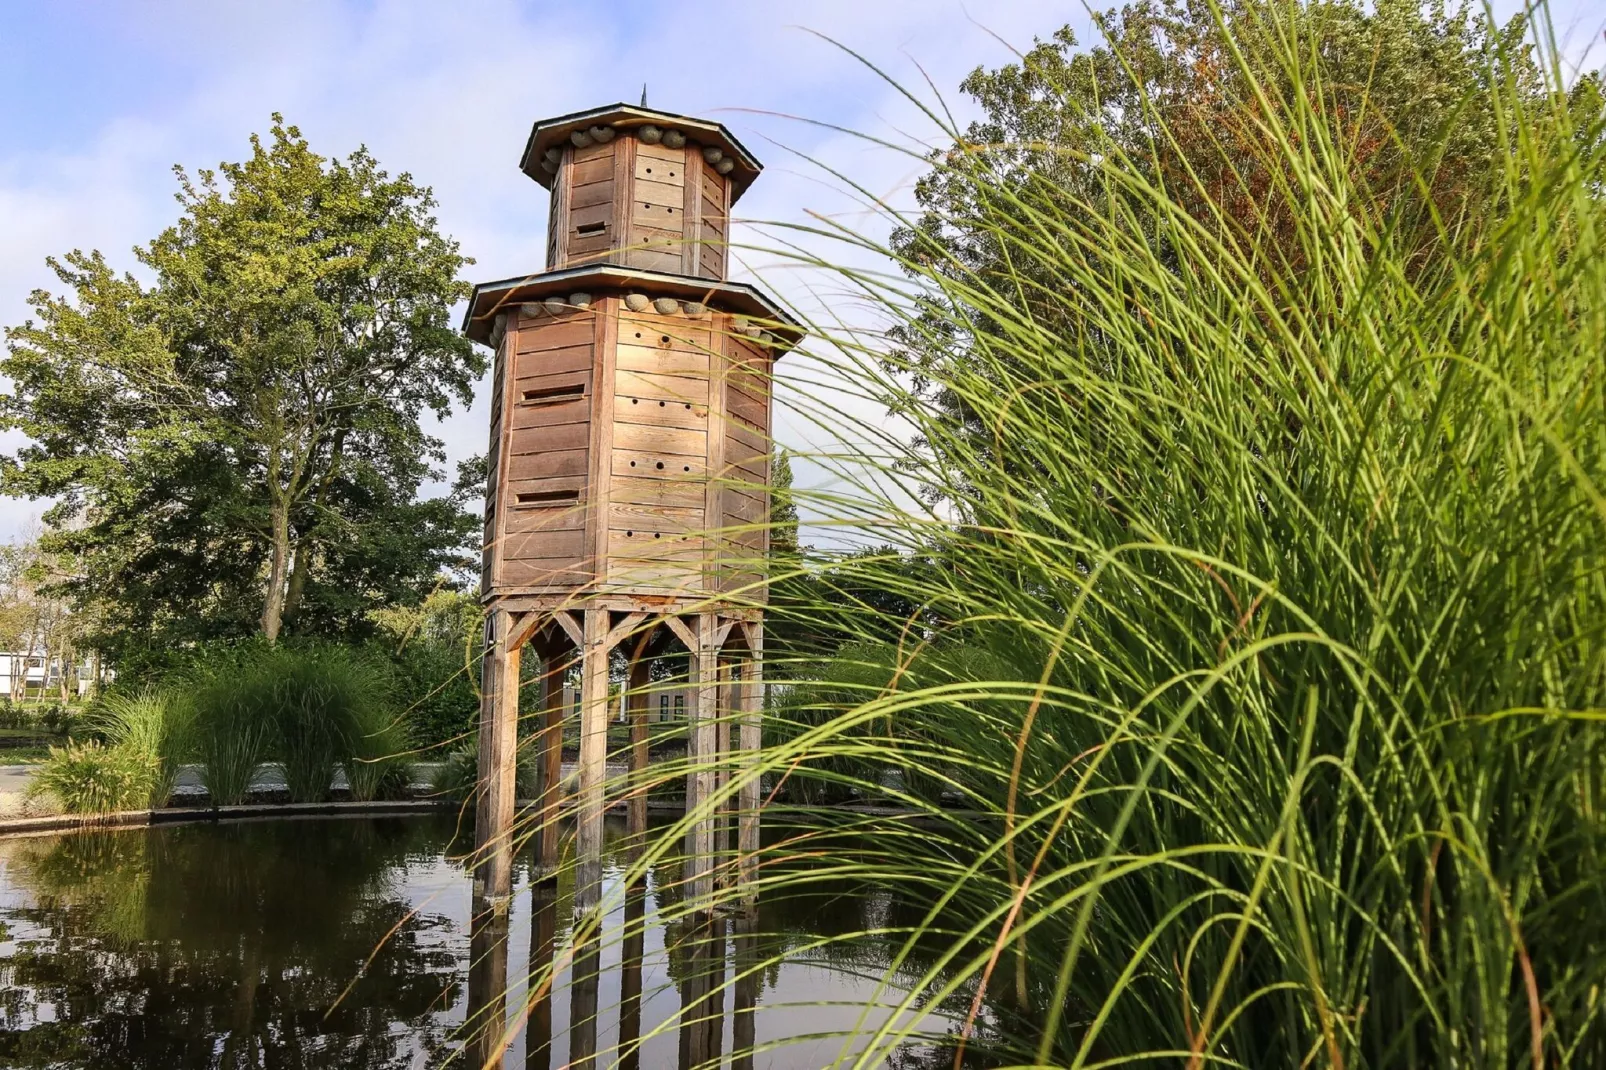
{"x": 657, "y": 493}
{"x": 684, "y": 389}
{"x": 674, "y": 441}
{"x": 595, "y": 213}
{"x": 544, "y": 573}
{"x": 672, "y": 331}
{"x": 656, "y": 258}
{"x": 676, "y": 157}
{"x": 658, "y": 466}
{"x": 651, "y": 576}
{"x": 667, "y": 218}
{"x": 545, "y": 465}
{"x": 682, "y": 359}
{"x": 554, "y": 414}
{"x": 625, "y": 517}
{"x": 640, "y": 544}
{"x": 547, "y": 438}
{"x": 591, "y": 171}
{"x": 541, "y": 334}
{"x": 574, "y": 358}
{"x": 592, "y": 193}
{"x": 567, "y": 543}
{"x": 661, "y": 412}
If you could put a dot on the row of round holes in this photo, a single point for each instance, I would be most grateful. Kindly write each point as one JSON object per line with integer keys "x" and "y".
{"x": 671, "y": 175}
{"x": 660, "y": 466}
{"x": 663, "y": 339}
{"x": 644, "y": 204}
{"x": 656, "y": 535}
{"x": 661, "y": 404}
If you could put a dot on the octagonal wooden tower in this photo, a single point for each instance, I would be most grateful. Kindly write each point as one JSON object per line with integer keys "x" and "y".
{"x": 628, "y": 467}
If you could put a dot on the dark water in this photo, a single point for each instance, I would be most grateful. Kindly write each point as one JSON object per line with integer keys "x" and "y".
{"x": 350, "y": 942}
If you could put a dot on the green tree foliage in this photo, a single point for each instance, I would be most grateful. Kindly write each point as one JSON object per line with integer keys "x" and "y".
{"x": 1165, "y": 94}
{"x": 239, "y": 437}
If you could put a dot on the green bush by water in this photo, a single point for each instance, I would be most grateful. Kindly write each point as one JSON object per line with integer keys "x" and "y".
{"x": 311, "y": 708}
{"x": 142, "y": 739}
{"x": 155, "y": 724}
{"x": 94, "y": 778}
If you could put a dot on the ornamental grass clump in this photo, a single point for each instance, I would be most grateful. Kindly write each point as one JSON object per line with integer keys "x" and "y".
{"x": 311, "y": 709}
{"x": 94, "y": 778}
{"x": 1267, "y": 492}
{"x": 154, "y": 723}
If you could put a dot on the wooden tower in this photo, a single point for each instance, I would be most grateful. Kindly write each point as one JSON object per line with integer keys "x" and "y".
{"x": 628, "y": 474}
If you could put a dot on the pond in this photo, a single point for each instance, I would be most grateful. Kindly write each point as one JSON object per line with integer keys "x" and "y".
{"x": 352, "y": 942}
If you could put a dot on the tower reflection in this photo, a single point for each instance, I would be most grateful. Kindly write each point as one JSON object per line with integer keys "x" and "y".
{"x": 642, "y": 991}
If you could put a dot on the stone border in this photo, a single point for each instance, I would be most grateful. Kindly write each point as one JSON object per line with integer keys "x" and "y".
{"x": 22, "y": 826}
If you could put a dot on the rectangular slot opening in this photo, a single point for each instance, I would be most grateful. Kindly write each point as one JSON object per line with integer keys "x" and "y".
{"x": 592, "y": 228}
{"x": 548, "y": 497}
{"x": 548, "y": 394}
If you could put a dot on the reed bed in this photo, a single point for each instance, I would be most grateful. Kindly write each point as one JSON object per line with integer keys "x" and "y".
{"x": 1245, "y": 668}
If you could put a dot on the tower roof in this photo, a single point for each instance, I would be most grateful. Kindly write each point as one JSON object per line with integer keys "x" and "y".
{"x": 550, "y": 133}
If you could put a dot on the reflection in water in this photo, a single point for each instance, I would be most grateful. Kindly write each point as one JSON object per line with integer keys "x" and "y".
{"x": 353, "y": 943}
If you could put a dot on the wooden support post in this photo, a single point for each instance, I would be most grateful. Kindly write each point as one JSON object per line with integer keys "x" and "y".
{"x": 593, "y": 756}
{"x": 700, "y": 748}
{"x": 493, "y": 809}
{"x": 632, "y": 944}
{"x": 549, "y": 760}
{"x": 636, "y": 707}
{"x": 750, "y": 712}
{"x": 543, "y": 946}
{"x": 745, "y": 1001}
{"x": 722, "y": 753}
{"x": 487, "y": 987}
{"x": 583, "y": 983}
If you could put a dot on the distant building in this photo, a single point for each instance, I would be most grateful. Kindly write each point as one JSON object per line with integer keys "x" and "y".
{"x": 22, "y": 673}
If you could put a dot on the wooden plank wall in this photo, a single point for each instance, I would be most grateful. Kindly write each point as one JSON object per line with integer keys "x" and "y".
{"x": 493, "y": 458}
{"x": 544, "y": 478}
{"x": 713, "y": 217}
{"x": 657, "y": 207}
{"x": 591, "y": 230}
{"x": 640, "y": 205}
{"x": 659, "y": 465}
{"x": 745, "y": 477}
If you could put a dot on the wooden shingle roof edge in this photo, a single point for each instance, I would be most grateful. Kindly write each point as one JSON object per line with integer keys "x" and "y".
{"x": 739, "y": 298}
{"x": 548, "y": 133}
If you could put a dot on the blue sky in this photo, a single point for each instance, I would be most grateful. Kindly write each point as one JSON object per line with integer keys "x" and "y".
{"x": 99, "y": 100}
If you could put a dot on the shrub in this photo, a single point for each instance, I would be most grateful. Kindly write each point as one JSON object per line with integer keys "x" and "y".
{"x": 310, "y": 707}
{"x": 377, "y": 765}
{"x": 455, "y": 777}
{"x": 435, "y": 684}
{"x": 93, "y": 778}
{"x": 155, "y": 724}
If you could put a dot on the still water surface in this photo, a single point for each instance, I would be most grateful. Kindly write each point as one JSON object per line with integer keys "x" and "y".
{"x": 351, "y": 942}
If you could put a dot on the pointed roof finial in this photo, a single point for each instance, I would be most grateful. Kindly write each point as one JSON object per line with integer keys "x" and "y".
{"x": 643, "y": 94}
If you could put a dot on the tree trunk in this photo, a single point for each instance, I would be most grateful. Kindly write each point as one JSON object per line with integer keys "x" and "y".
{"x": 65, "y": 659}
{"x": 273, "y": 601}
{"x": 299, "y": 571}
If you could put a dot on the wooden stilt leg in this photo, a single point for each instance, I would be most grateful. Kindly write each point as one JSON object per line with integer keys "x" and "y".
{"x": 487, "y": 986}
{"x": 636, "y": 705}
{"x": 722, "y": 749}
{"x": 593, "y": 755}
{"x": 700, "y": 746}
{"x": 750, "y": 711}
{"x": 493, "y": 809}
{"x": 549, "y": 761}
{"x": 543, "y": 945}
